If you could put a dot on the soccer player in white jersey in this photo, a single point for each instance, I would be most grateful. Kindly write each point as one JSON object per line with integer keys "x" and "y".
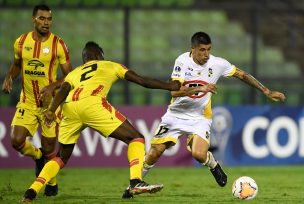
{"x": 191, "y": 115}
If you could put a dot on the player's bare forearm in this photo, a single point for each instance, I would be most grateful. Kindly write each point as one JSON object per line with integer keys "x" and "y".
{"x": 47, "y": 91}
{"x": 151, "y": 83}
{"x": 65, "y": 68}
{"x": 57, "y": 84}
{"x": 157, "y": 84}
{"x": 60, "y": 96}
{"x": 12, "y": 73}
{"x": 188, "y": 91}
{"x": 184, "y": 91}
{"x": 250, "y": 80}
{"x": 14, "y": 70}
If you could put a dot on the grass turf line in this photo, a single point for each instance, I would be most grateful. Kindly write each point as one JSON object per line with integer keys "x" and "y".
{"x": 277, "y": 184}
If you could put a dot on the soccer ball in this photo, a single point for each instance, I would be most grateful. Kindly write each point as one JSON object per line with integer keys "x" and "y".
{"x": 244, "y": 188}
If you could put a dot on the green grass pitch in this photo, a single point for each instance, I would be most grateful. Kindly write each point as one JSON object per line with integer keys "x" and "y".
{"x": 277, "y": 184}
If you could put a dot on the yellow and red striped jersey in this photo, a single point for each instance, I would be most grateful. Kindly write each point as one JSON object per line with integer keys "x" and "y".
{"x": 94, "y": 78}
{"x": 39, "y": 64}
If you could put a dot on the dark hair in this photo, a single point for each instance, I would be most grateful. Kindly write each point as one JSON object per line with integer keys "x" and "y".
{"x": 92, "y": 51}
{"x": 94, "y": 47}
{"x": 200, "y": 38}
{"x": 42, "y": 7}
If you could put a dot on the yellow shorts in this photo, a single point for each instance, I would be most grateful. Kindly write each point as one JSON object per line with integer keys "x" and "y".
{"x": 32, "y": 118}
{"x": 91, "y": 112}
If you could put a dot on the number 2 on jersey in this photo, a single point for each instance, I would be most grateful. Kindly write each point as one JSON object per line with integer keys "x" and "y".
{"x": 91, "y": 68}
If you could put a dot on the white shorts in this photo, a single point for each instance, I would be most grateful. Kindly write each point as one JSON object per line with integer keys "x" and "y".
{"x": 171, "y": 128}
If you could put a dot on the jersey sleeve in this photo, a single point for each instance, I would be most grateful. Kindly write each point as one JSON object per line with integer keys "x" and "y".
{"x": 228, "y": 68}
{"x": 178, "y": 72}
{"x": 69, "y": 80}
{"x": 16, "y": 49}
{"x": 62, "y": 52}
{"x": 120, "y": 70}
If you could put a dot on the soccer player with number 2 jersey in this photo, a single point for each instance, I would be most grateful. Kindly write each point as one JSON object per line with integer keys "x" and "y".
{"x": 85, "y": 105}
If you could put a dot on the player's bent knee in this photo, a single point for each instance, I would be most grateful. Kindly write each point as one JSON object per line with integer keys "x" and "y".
{"x": 17, "y": 143}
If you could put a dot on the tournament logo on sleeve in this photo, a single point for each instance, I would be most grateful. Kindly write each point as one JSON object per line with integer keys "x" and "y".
{"x": 176, "y": 71}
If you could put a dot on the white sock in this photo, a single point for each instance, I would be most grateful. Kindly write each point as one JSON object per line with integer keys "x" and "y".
{"x": 146, "y": 168}
{"x": 210, "y": 161}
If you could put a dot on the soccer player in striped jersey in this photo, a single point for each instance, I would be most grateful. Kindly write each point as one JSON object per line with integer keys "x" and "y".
{"x": 85, "y": 105}
{"x": 191, "y": 115}
{"x": 37, "y": 55}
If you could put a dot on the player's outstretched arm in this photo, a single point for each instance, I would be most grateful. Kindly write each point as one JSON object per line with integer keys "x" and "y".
{"x": 151, "y": 83}
{"x": 47, "y": 91}
{"x": 188, "y": 91}
{"x": 49, "y": 114}
{"x": 12, "y": 73}
{"x": 250, "y": 80}
{"x": 60, "y": 96}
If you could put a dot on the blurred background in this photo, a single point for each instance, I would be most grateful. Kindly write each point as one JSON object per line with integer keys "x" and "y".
{"x": 262, "y": 37}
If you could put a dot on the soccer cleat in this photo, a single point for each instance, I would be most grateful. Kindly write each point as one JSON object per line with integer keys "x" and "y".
{"x": 219, "y": 175}
{"x": 143, "y": 187}
{"x": 127, "y": 194}
{"x": 51, "y": 190}
{"x": 29, "y": 196}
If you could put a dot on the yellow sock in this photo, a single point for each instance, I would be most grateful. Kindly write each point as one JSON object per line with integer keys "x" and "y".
{"x": 50, "y": 170}
{"x": 136, "y": 153}
{"x": 52, "y": 182}
{"x": 29, "y": 150}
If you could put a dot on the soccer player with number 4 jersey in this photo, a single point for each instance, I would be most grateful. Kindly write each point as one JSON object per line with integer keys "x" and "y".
{"x": 37, "y": 55}
{"x": 85, "y": 105}
{"x": 191, "y": 115}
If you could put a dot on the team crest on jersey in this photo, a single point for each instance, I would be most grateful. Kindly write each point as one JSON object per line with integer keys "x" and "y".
{"x": 27, "y": 48}
{"x": 35, "y": 72}
{"x": 195, "y": 83}
{"x": 35, "y": 64}
{"x": 207, "y": 135}
{"x": 45, "y": 50}
{"x": 210, "y": 72}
